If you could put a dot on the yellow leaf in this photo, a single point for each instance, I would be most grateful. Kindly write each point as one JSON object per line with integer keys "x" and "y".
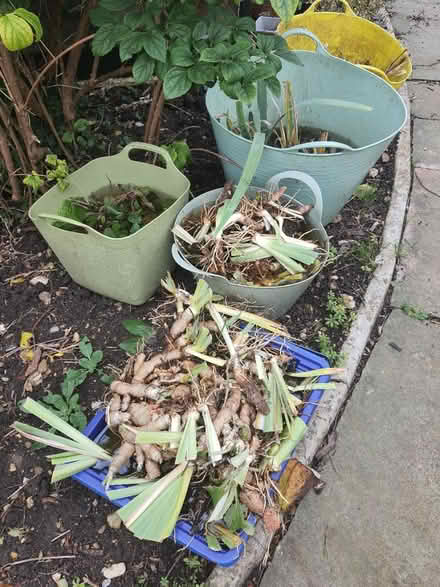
{"x": 25, "y": 339}
{"x": 16, "y": 280}
{"x": 27, "y": 353}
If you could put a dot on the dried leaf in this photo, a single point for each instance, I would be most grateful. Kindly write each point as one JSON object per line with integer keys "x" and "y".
{"x": 39, "y": 279}
{"x": 295, "y": 482}
{"x": 113, "y": 571}
{"x": 45, "y": 297}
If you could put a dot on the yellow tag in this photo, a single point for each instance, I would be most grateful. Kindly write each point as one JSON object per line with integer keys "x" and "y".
{"x": 16, "y": 280}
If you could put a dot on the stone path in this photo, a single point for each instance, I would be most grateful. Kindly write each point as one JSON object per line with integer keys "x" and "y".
{"x": 376, "y": 522}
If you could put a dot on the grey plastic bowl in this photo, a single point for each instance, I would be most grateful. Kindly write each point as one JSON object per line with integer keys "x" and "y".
{"x": 274, "y": 301}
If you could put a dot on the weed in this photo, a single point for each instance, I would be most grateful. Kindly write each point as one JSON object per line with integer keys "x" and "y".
{"x": 180, "y": 154}
{"x": 80, "y": 135}
{"x": 57, "y": 170}
{"x": 365, "y": 252}
{"x": 140, "y": 330}
{"x": 66, "y": 404}
{"x": 414, "y": 312}
{"x": 328, "y": 349}
{"x": 366, "y": 193}
{"x": 339, "y": 316}
{"x": 192, "y": 562}
{"x": 332, "y": 255}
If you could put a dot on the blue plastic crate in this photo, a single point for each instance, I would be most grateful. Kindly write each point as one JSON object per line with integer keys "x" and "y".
{"x": 306, "y": 360}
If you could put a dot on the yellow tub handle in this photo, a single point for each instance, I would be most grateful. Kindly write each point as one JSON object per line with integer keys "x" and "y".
{"x": 348, "y": 10}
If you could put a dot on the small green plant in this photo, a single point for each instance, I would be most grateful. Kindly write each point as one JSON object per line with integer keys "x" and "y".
{"x": 339, "y": 316}
{"x": 366, "y": 193}
{"x": 180, "y": 154}
{"x": 140, "y": 331}
{"x": 365, "y": 252}
{"x": 117, "y": 213}
{"x": 332, "y": 255}
{"x": 57, "y": 171}
{"x": 80, "y": 135}
{"x": 66, "y": 404}
{"x": 328, "y": 349}
{"x": 414, "y": 312}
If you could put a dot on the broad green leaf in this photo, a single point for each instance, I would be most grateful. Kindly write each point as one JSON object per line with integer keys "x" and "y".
{"x": 200, "y": 31}
{"x": 85, "y": 347}
{"x": 34, "y": 181}
{"x": 247, "y": 93}
{"x": 264, "y": 71}
{"x": 131, "y": 45}
{"x": 136, "y": 19}
{"x": 218, "y": 32}
{"x": 81, "y": 125}
{"x": 31, "y": 19}
{"x": 130, "y": 345}
{"x": 176, "y": 83}
{"x": 285, "y": 8}
{"x": 212, "y": 542}
{"x": 233, "y": 72}
{"x": 179, "y": 31}
{"x": 100, "y": 16}
{"x": 155, "y": 45}
{"x": 201, "y": 73}
{"x": 181, "y": 54}
{"x": 97, "y": 357}
{"x": 56, "y": 400}
{"x": 138, "y": 327}
{"x": 161, "y": 69}
{"x": 104, "y": 40}
{"x": 15, "y": 33}
{"x": 67, "y": 137}
{"x": 234, "y": 517}
{"x": 78, "y": 419}
{"x": 118, "y": 5}
{"x": 274, "y": 85}
{"x": 246, "y": 24}
{"x": 215, "y": 54}
{"x": 291, "y": 57}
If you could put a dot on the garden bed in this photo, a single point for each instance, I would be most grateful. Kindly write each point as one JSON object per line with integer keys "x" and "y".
{"x": 56, "y": 309}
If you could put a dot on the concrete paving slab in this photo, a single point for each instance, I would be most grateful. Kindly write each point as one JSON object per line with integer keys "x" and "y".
{"x": 418, "y": 276}
{"x": 376, "y": 522}
{"x": 426, "y": 143}
{"x": 425, "y": 99}
{"x": 416, "y": 24}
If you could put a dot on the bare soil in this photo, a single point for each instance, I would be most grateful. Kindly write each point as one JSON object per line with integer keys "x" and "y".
{"x": 67, "y": 520}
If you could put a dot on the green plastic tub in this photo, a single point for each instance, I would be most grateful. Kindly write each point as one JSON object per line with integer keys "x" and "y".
{"x": 273, "y": 301}
{"x": 127, "y": 269}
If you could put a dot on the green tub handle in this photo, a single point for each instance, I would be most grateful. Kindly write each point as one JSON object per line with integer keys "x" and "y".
{"x": 306, "y": 33}
{"x": 65, "y": 220}
{"x": 274, "y": 183}
{"x": 147, "y": 147}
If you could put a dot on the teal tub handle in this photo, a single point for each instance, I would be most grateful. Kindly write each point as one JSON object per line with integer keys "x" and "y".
{"x": 306, "y": 33}
{"x": 274, "y": 183}
{"x": 182, "y": 262}
{"x": 318, "y": 144}
{"x": 147, "y": 147}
